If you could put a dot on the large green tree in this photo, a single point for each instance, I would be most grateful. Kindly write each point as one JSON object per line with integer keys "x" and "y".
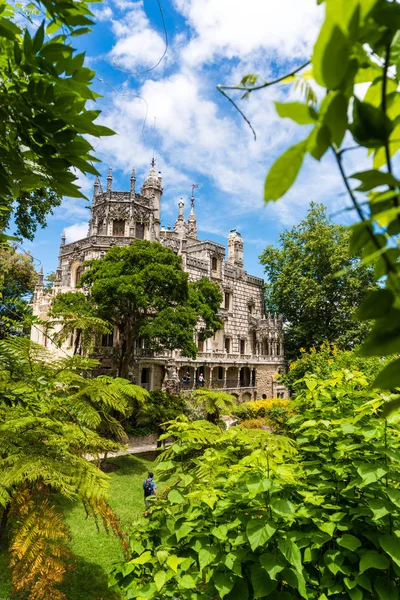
{"x": 17, "y": 282}
{"x": 358, "y": 43}
{"x": 304, "y": 286}
{"x": 143, "y": 291}
{"x": 44, "y": 121}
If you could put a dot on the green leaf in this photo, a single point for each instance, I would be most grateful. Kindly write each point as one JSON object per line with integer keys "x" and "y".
{"x": 282, "y": 507}
{"x": 376, "y": 304}
{"x": 298, "y": 112}
{"x": 284, "y": 171}
{"x": 349, "y": 541}
{"x": 373, "y": 178}
{"x": 331, "y": 56}
{"x": 206, "y": 556}
{"x": 258, "y": 532}
{"x": 388, "y": 379}
{"x": 174, "y": 561}
{"x": 291, "y": 552}
{"x": 175, "y": 497}
{"x": 142, "y": 559}
{"x": 273, "y": 564}
{"x": 355, "y": 594}
{"x": 360, "y": 236}
{"x": 386, "y": 589}
{"x": 262, "y": 584}
{"x": 391, "y": 545}
{"x": 239, "y": 590}
{"x": 187, "y": 581}
{"x": 373, "y": 560}
{"x": 295, "y": 580}
{"x": 159, "y": 579}
{"x": 370, "y": 473}
{"x": 333, "y": 114}
{"x": 319, "y": 141}
{"x": 371, "y": 127}
{"x": 224, "y": 582}
{"x": 333, "y": 560}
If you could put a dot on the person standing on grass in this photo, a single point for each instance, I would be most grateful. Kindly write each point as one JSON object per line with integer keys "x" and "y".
{"x": 149, "y": 489}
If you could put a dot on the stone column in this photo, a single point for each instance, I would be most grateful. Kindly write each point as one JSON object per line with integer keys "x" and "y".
{"x": 238, "y": 377}
{"x": 225, "y": 374}
{"x": 211, "y": 376}
{"x": 194, "y": 377}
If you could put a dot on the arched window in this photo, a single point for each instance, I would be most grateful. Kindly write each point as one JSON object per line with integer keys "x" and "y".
{"x": 119, "y": 227}
{"x": 214, "y": 264}
{"x": 78, "y": 275}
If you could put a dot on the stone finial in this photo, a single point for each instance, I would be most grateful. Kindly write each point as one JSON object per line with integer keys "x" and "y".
{"x": 109, "y": 179}
{"x": 63, "y": 239}
{"x": 181, "y": 205}
{"x": 96, "y": 186}
{"x": 40, "y": 277}
{"x": 133, "y": 179}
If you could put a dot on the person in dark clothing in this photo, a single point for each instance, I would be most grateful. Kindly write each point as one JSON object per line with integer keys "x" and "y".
{"x": 149, "y": 488}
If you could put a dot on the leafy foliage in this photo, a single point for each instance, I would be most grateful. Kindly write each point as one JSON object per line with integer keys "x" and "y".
{"x": 43, "y": 116}
{"x": 253, "y": 515}
{"x": 358, "y": 43}
{"x": 143, "y": 291}
{"x": 214, "y": 403}
{"x": 324, "y": 361}
{"x": 75, "y": 315}
{"x": 17, "y": 282}
{"x": 50, "y": 419}
{"x": 303, "y": 284}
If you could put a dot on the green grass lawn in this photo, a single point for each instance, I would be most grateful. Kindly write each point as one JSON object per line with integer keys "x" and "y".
{"x": 95, "y": 551}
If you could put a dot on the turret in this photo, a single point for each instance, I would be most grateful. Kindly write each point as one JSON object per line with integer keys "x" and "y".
{"x": 180, "y": 226}
{"x": 133, "y": 181}
{"x": 235, "y": 248}
{"x": 152, "y": 188}
{"x": 109, "y": 179}
{"x": 96, "y": 187}
{"x": 192, "y": 223}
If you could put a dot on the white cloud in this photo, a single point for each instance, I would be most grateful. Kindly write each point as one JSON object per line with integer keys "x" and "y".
{"x": 138, "y": 44}
{"x": 76, "y": 232}
{"x": 103, "y": 14}
{"x": 233, "y": 28}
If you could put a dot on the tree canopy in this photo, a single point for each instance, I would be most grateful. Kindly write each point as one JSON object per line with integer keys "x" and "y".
{"x": 143, "y": 291}
{"x": 44, "y": 121}
{"x": 304, "y": 286}
{"x": 17, "y": 282}
{"x": 358, "y": 43}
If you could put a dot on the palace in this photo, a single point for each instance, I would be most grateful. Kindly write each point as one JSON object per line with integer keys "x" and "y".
{"x": 243, "y": 358}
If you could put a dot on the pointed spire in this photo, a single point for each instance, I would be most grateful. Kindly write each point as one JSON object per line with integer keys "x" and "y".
{"x": 96, "y": 186}
{"x": 109, "y": 179}
{"x": 181, "y": 205}
{"x": 40, "y": 277}
{"x": 133, "y": 180}
{"x": 192, "y": 223}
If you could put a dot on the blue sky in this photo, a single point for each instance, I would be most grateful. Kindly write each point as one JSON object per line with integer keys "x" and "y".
{"x": 198, "y": 137}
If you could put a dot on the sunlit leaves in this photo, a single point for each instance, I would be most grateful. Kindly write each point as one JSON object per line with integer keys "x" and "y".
{"x": 331, "y": 56}
{"x": 300, "y": 113}
{"x": 371, "y": 127}
{"x": 284, "y": 171}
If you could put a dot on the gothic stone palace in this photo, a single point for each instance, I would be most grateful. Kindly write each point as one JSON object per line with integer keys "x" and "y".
{"x": 242, "y": 358}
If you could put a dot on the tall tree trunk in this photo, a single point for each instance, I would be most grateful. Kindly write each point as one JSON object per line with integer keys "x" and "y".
{"x": 77, "y": 341}
{"x": 128, "y": 356}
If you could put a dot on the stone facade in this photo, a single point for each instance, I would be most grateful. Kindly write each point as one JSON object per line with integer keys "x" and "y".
{"x": 243, "y": 358}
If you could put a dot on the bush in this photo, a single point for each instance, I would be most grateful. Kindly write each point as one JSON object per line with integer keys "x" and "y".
{"x": 254, "y": 424}
{"x": 250, "y": 514}
{"x": 324, "y": 361}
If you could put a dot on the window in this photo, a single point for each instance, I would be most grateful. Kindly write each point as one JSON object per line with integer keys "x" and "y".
{"x": 242, "y": 346}
{"x": 200, "y": 346}
{"x": 140, "y": 231}
{"x": 145, "y": 376}
{"x": 107, "y": 340}
{"x": 250, "y": 308}
{"x": 78, "y": 275}
{"x": 228, "y": 345}
{"x": 220, "y": 373}
{"x": 119, "y": 227}
{"x": 227, "y": 300}
{"x": 214, "y": 263}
